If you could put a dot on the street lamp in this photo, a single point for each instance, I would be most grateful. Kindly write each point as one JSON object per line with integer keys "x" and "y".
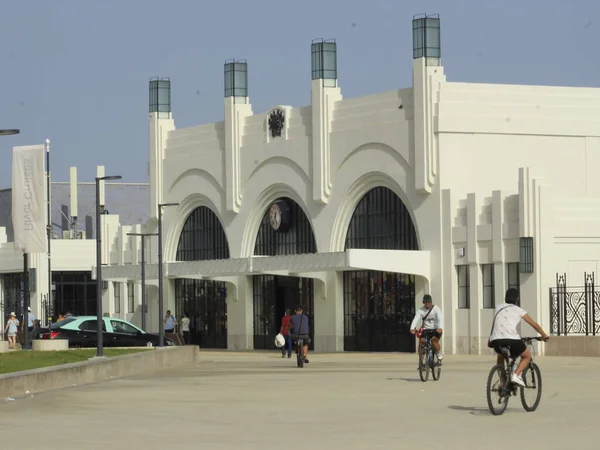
{"x": 161, "y": 333}
{"x": 100, "y": 336}
{"x": 143, "y": 235}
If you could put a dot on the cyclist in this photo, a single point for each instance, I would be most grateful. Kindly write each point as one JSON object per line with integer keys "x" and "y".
{"x": 433, "y": 324}
{"x": 504, "y": 333}
{"x": 300, "y": 327}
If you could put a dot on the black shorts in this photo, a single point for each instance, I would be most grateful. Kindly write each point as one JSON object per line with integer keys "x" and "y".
{"x": 431, "y": 333}
{"x": 305, "y": 338}
{"x": 517, "y": 346}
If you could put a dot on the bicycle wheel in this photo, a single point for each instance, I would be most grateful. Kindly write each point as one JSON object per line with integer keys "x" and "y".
{"x": 532, "y": 393}
{"x": 423, "y": 364}
{"x": 497, "y": 397}
{"x": 436, "y": 369}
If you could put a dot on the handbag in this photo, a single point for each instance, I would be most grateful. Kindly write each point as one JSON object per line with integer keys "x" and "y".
{"x": 489, "y": 344}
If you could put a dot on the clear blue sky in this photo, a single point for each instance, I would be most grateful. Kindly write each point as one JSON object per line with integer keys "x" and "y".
{"x": 77, "y": 71}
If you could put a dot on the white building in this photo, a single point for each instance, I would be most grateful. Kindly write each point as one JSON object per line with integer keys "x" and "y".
{"x": 357, "y": 207}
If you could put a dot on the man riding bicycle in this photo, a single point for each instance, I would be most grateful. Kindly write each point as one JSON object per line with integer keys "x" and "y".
{"x": 433, "y": 324}
{"x": 300, "y": 328}
{"x": 504, "y": 333}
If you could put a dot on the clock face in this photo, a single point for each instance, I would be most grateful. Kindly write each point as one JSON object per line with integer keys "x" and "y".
{"x": 275, "y": 216}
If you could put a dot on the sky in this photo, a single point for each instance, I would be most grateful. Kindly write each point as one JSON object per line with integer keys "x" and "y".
{"x": 77, "y": 71}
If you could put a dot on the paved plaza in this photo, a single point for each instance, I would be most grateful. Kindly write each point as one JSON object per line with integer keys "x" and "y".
{"x": 338, "y": 401}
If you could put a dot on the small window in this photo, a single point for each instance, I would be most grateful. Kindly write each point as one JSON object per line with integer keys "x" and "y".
{"x": 123, "y": 327}
{"x": 130, "y": 298}
{"x": 464, "y": 286}
{"x": 117, "y": 296}
{"x": 489, "y": 299}
{"x": 512, "y": 276}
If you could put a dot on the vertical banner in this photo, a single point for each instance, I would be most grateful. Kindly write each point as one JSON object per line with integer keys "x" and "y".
{"x": 28, "y": 199}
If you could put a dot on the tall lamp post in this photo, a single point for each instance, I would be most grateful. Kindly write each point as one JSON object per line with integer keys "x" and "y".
{"x": 161, "y": 334}
{"x": 143, "y": 235}
{"x": 99, "y": 337}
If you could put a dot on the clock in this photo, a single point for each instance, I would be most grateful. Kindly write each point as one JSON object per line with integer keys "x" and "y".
{"x": 280, "y": 216}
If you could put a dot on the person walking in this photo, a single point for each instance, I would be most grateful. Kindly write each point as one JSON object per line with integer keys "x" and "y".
{"x": 12, "y": 325}
{"x": 286, "y": 326}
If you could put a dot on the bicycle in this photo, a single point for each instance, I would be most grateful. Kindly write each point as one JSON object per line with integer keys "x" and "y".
{"x": 427, "y": 359}
{"x": 505, "y": 387}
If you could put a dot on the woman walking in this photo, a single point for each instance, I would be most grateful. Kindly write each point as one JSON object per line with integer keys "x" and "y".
{"x": 12, "y": 325}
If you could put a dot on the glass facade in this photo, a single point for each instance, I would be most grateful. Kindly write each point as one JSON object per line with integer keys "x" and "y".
{"x": 379, "y": 306}
{"x": 75, "y": 293}
{"x": 236, "y": 79}
{"x": 324, "y": 62}
{"x": 160, "y": 95}
{"x": 205, "y": 301}
{"x": 427, "y": 37}
{"x": 273, "y": 294}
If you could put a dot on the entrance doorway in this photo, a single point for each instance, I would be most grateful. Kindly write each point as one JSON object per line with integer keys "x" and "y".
{"x": 206, "y": 303}
{"x": 273, "y": 294}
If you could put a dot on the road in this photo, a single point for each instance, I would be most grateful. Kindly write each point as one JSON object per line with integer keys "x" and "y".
{"x": 247, "y": 401}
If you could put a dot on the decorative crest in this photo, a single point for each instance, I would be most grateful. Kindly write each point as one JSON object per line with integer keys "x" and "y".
{"x": 276, "y": 122}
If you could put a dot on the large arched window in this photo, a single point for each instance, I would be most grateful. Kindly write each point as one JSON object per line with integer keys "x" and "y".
{"x": 284, "y": 230}
{"x": 378, "y": 306}
{"x": 203, "y": 238}
{"x": 381, "y": 221}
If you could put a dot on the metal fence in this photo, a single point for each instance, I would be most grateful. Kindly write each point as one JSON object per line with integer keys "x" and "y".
{"x": 575, "y": 310}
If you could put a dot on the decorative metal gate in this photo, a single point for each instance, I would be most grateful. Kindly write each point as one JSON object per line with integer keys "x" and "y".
{"x": 205, "y": 302}
{"x": 575, "y": 310}
{"x": 379, "y": 306}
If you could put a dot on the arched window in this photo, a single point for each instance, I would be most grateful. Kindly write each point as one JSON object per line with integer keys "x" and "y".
{"x": 203, "y": 238}
{"x": 379, "y": 306}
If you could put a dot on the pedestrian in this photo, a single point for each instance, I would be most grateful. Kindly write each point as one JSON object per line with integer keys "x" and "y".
{"x": 185, "y": 328}
{"x": 12, "y": 325}
{"x": 285, "y": 332}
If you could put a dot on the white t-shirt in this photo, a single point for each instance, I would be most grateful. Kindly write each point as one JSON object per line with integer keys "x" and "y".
{"x": 185, "y": 324}
{"x": 434, "y": 320}
{"x": 508, "y": 317}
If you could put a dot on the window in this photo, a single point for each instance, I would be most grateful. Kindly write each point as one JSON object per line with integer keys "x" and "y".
{"x": 464, "y": 285}
{"x": 489, "y": 299}
{"x": 130, "y": 298}
{"x": 123, "y": 327}
{"x": 91, "y": 325}
{"x": 512, "y": 276}
{"x": 117, "y": 294}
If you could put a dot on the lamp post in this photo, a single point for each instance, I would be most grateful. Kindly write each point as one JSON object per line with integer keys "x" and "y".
{"x": 100, "y": 336}
{"x": 143, "y": 235}
{"x": 161, "y": 333}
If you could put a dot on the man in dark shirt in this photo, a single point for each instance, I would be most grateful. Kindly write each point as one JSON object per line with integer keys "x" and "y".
{"x": 300, "y": 328}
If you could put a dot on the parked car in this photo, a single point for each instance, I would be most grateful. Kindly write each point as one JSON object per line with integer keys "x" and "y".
{"x": 82, "y": 331}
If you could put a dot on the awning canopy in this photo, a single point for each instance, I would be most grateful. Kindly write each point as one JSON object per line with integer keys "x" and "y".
{"x": 311, "y": 265}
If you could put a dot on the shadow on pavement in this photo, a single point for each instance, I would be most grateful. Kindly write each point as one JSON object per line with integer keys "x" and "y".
{"x": 410, "y": 380}
{"x": 478, "y": 411}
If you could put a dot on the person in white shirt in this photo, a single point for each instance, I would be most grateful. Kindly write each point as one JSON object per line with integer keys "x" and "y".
{"x": 185, "y": 328}
{"x": 504, "y": 333}
{"x": 433, "y": 324}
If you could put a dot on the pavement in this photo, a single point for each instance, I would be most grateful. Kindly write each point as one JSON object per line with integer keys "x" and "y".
{"x": 256, "y": 400}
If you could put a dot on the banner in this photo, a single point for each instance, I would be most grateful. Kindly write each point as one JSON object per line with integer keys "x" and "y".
{"x": 28, "y": 199}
